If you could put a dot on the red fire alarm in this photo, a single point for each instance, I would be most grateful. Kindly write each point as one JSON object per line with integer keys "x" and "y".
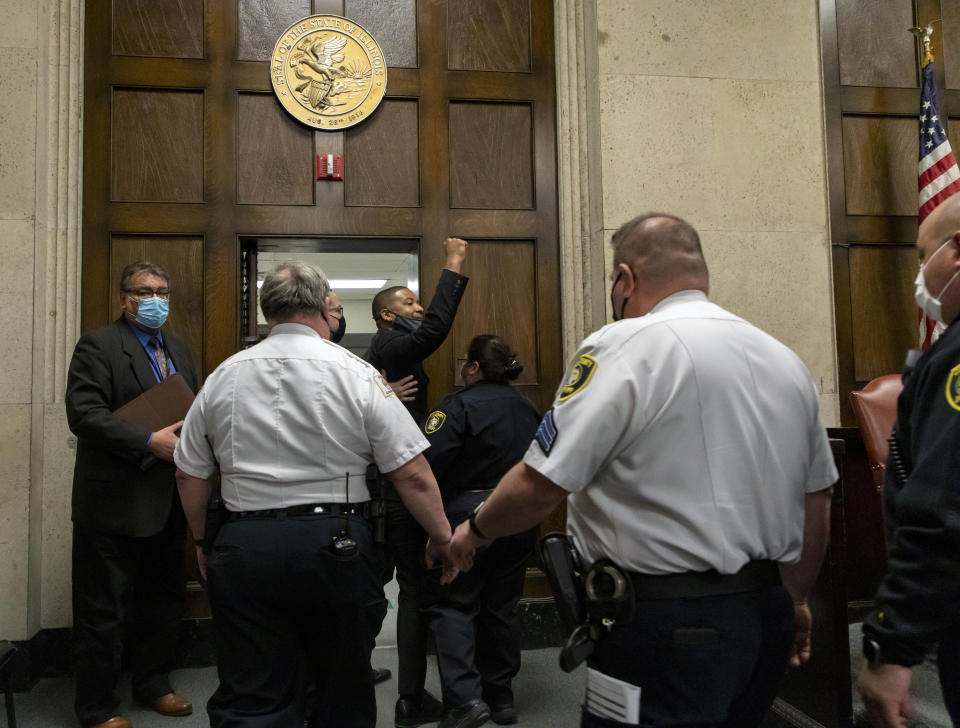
{"x": 330, "y": 167}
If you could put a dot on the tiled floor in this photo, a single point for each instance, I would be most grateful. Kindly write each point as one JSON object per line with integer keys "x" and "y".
{"x": 546, "y": 697}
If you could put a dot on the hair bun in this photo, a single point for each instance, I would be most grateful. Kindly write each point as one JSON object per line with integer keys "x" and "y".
{"x": 513, "y": 369}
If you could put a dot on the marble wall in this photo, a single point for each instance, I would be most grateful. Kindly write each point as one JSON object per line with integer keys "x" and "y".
{"x": 40, "y": 71}
{"x": 18, "y": 118}
{"x": 714, "y": 112}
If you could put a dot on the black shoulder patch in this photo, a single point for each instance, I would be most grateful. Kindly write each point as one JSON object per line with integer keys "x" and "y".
{"x": 546, "y": 433}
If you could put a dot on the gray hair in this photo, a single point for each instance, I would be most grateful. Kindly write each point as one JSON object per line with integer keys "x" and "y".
{"x": 292, "y": 288}
{"x": 142, "y": 266}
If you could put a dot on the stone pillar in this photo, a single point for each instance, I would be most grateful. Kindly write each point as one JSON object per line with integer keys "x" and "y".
{"x": 583, "y": 292}
{"x": 56, "y": 314}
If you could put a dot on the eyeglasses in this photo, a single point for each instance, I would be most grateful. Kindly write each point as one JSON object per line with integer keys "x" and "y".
{"x": 338, "y": 309}
{"x": 148, "y": 292}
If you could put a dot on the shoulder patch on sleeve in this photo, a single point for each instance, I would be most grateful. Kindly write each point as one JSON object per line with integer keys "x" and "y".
{"x": 579, "y": 378}
{"x": 546, "y": 433}
{"x": 385, "y": 389}
{"x": 435, "y": 421}
{"x": 953, "y": 388}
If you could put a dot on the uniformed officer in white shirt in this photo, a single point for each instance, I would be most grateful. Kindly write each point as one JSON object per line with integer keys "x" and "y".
{"x": 689, "y": 447}
{"x": 292, "y": 424}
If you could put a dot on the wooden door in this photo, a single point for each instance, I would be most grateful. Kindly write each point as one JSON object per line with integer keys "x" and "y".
{"x": 187, "y": 152}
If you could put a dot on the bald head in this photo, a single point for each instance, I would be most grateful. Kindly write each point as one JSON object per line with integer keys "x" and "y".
{"x": 938, "y": 245}
{"x": 663, "y": 250}
{"x": 942, "y": 222}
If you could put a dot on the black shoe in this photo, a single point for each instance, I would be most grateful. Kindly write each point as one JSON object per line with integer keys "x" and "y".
{"x": 503, "y": 714}
{"x": 410, "y": 713}
{"x": 469, "y": 715}
{"x": 380, "y": 674}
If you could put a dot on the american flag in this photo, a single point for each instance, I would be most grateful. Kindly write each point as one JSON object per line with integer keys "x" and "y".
{"x": 939, "y": 175}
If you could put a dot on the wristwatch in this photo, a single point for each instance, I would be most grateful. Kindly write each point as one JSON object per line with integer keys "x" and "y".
{"x": 872, "y": 651}
{"x": 473, "y": 523}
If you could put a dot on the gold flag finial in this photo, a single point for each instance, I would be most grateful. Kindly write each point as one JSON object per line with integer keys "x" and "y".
{"x": 924, "y": 34}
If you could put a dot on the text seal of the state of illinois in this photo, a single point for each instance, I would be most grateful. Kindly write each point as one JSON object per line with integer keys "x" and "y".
{"x": 328, "y": 72}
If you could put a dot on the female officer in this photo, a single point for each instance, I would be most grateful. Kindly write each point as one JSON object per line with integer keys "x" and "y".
{"x": 476, "y": 435}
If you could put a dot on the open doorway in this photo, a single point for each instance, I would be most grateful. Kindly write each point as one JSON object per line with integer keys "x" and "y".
{"x": 356, "y": 268}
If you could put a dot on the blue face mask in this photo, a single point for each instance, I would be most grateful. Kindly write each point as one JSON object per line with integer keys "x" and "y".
{"x": 152, "y": 312}
{"x": 406, "y": 323}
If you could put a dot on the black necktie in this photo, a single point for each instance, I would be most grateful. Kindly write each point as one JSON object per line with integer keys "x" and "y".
{"x": 160, "y": 356}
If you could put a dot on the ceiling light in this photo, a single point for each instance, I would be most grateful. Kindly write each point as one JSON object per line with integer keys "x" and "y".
{"x": 343, "y": 283}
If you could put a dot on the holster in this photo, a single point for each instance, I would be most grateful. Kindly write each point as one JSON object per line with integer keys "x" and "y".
{"x": 378, "y": 512}
{"x": 562, "y": 565}
{"x": 590, "y": 601}
{"x": 216, "y": 516}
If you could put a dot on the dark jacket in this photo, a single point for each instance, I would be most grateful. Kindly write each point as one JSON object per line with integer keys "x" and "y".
{"x": 110, "y": 492}
{"x": 402, "y": 353}
{"x": 918, "y": 597}
{"x": 476, "y": 435}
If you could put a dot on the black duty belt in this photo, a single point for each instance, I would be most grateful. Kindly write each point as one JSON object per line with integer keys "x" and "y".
{"x": 694, "y": 584}
{"x": 306, "y": 509}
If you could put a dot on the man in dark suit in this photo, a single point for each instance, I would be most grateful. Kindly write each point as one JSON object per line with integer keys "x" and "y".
{"x": 406, "y": 335}
{"x": 129, "y": 529}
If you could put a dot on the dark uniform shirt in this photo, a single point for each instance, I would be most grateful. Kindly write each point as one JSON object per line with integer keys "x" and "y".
{"x": 401, "y": 353}
{"x": 477, "y": 434}
{"x": 920, "y": 594}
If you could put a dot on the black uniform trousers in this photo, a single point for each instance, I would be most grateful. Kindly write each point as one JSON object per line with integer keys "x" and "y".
{"x": 948, "y": 669}
{"x": 476, "y": 625}
{"x": 286, "y": 608}
{"x": 708, "y": 662}
{"x": 406, "y": 542}
{"x": 139, "y": 582}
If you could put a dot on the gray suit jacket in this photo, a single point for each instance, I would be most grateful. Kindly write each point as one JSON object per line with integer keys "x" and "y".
{"x": 110, "y": 492}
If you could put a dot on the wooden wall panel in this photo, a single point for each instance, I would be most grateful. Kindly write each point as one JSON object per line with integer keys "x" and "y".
{"x": 874, "y": 46}
{"x": 950, "y": 13}
{"x": 490, "y": 156}
{"x": 880, "y": 165}
{"x": 496, "y": 266}
{"x": 275, "y": 161}
{"x": 168, "y": 28}
{"x": 883, "y": 310}
{"x": 392, "y": 23}
{"x": 382, "y": 157}
{"x": 260, "y": 23}
{"x": 182, "y": 257}
{"x": 157, "y": 145}
{"x": 493, "y": 35}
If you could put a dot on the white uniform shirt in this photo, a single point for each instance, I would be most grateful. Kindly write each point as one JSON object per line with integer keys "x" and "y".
{"x": 288, "y": 418}
{"x": 688, "y": 439}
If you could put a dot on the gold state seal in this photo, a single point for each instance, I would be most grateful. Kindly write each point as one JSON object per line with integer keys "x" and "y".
{"x": 328, "y": 72}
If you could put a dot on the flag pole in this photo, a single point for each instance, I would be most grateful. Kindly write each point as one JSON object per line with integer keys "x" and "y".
{"x": 924, "y": 34}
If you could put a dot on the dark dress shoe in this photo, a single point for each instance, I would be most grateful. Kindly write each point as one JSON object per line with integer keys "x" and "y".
{"x": 411, "y": 712}
{"x": 380, "y": 674}
{"x": 172, "y": 704}
{"x": 503, "y": 714}
{"x": 469, "y": 715}
{"x": 117, "y": 721}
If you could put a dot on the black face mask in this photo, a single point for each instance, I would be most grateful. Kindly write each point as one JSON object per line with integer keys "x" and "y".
{"x": 335, "y": 336}
{"x": 407, "y": 323}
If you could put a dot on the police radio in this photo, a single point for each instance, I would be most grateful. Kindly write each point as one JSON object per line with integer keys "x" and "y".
{"x": 343, "y": 545}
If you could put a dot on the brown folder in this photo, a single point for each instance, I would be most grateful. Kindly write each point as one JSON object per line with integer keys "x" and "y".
{"x": 160, "y": 406}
